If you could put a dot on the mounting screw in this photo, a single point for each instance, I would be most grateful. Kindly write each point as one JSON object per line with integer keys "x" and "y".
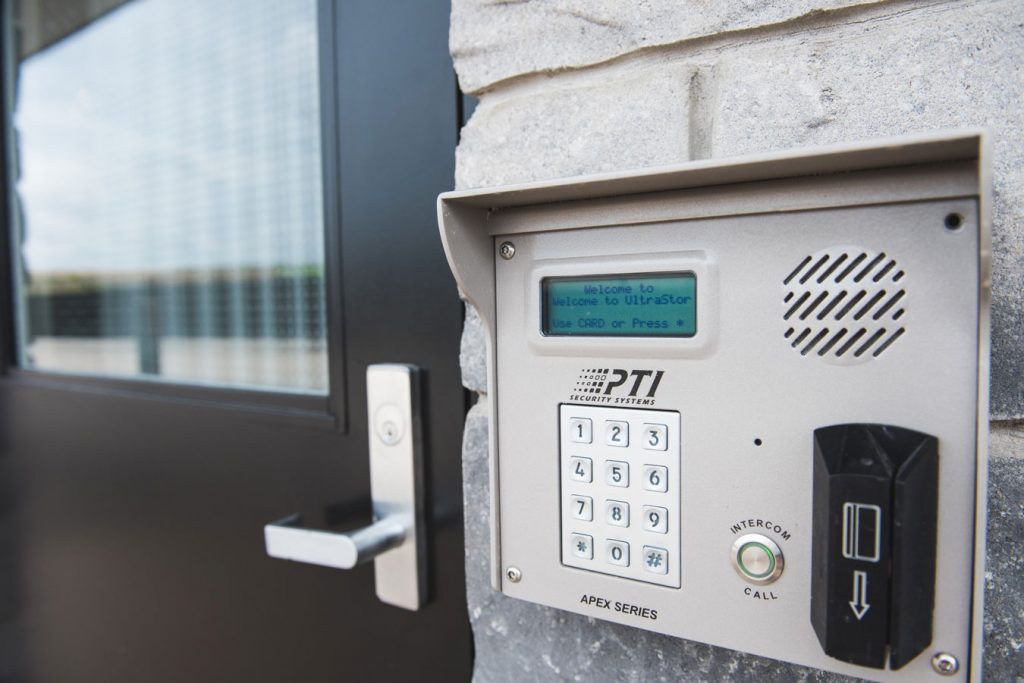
{"x": 953, "y": 221}
{"x": 512, "y": 573}
{"x": 945, "y": 664}
{"x": 507, "y": 250}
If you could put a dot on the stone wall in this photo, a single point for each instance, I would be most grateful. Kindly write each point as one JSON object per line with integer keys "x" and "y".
{"x": 569, "y": 87}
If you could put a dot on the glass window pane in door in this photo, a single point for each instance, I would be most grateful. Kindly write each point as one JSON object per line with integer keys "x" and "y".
{"x": 168, "y": 199}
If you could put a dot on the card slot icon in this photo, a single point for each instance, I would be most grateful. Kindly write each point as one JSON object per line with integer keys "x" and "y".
{"x": 862, "y": 532}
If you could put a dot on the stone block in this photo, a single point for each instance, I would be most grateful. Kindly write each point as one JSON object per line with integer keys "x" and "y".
{"x": 473, "y": 352}
{"x": 632, "y": 120}
{"x": 494, "y": 40}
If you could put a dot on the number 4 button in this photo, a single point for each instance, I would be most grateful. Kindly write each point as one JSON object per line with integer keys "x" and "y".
{"x": 655, "y": 437}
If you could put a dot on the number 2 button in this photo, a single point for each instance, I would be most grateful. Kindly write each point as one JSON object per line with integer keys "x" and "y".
{"x": 616, "y": 433}
{"x": 582, "y": 469}
{"x": 656, "y": 478}
{"x": 655, "y": 437}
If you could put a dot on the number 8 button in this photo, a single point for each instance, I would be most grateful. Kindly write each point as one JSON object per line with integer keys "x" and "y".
{"x": 655, "y": 478}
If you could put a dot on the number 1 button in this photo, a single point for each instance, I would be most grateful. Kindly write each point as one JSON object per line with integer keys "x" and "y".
{"x": 655, "y": 437}
{"x": 581, "y": 430}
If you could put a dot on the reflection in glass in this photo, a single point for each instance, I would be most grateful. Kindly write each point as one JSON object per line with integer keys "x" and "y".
{"x": 169, "y": 199}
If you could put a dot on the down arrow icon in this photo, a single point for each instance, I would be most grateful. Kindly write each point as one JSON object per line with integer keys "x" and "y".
{"x": 859, "y": 604}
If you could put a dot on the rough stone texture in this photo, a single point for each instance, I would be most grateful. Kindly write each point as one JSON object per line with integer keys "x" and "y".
{"x": 875, "y": 70}
{"x": 493, "y": 40}
{"x": 1004, "y": 571}
{"x": 624, "y": 122}
{"x": 472, "y": 352}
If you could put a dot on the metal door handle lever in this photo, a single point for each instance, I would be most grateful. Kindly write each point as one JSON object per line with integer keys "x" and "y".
{"x": 286, "y": 539}
{"x": 396, "y": 541}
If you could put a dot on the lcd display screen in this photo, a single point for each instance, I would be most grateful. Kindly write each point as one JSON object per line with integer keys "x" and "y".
{"x": 648, "y": 305}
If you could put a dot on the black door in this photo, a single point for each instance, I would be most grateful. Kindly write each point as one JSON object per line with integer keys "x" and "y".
{"x": 220, "y": 215}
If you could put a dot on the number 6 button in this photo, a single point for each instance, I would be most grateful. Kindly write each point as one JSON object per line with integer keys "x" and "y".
{"x": 655, "y": 437}
{"x": 655, "y": 478}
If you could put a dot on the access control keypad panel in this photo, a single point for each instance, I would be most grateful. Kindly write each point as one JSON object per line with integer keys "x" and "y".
{"x": 620, "y": 471}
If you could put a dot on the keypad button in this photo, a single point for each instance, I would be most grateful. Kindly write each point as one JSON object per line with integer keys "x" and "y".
{"x": 655, "y": 519}
{"x": 583, "y": 546}
{"x": 616, "y": 473}
{"x": 655, "y": 478}
{"x": 655, "y": 560}
{"x": 616, "y": 433}
{"x": 582, "y": 508}
{"x": 616, "y": 513}
{"x": 618, "y": 553}
{"x": 655, "y": 437}
{"x": 581, "y": 430}
{"x": 581, "y": 469}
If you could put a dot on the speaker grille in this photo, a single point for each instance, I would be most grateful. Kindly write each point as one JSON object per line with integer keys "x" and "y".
{"x": 844, "y": 305}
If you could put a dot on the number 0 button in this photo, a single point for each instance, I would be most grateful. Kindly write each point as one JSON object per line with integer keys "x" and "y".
{"x": 655, "y": 437}
{"x": 655, "y": 478}
{"x": 616, "y": 433}
{"x": 582, "y": 469}
{"x": 618, "y": 553}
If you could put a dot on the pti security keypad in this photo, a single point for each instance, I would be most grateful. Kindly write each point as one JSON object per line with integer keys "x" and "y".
{"x": 620, "y": 476}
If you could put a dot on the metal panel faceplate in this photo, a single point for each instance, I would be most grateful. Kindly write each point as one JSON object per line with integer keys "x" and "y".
{"x": 769, "y": 365}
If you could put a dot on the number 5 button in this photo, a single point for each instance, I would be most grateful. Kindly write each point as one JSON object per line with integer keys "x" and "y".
{"x": 616, "y": 473}
{"x": 655, "y": 437}
{"x": 655, "y": 478}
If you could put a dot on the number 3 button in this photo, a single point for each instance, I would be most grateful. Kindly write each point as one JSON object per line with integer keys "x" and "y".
{"x": 655, "y": 478}
{"x": 655, "y": 437}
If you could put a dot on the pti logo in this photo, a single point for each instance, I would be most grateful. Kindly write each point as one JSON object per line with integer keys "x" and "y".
{"x": 604, "y": 381}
